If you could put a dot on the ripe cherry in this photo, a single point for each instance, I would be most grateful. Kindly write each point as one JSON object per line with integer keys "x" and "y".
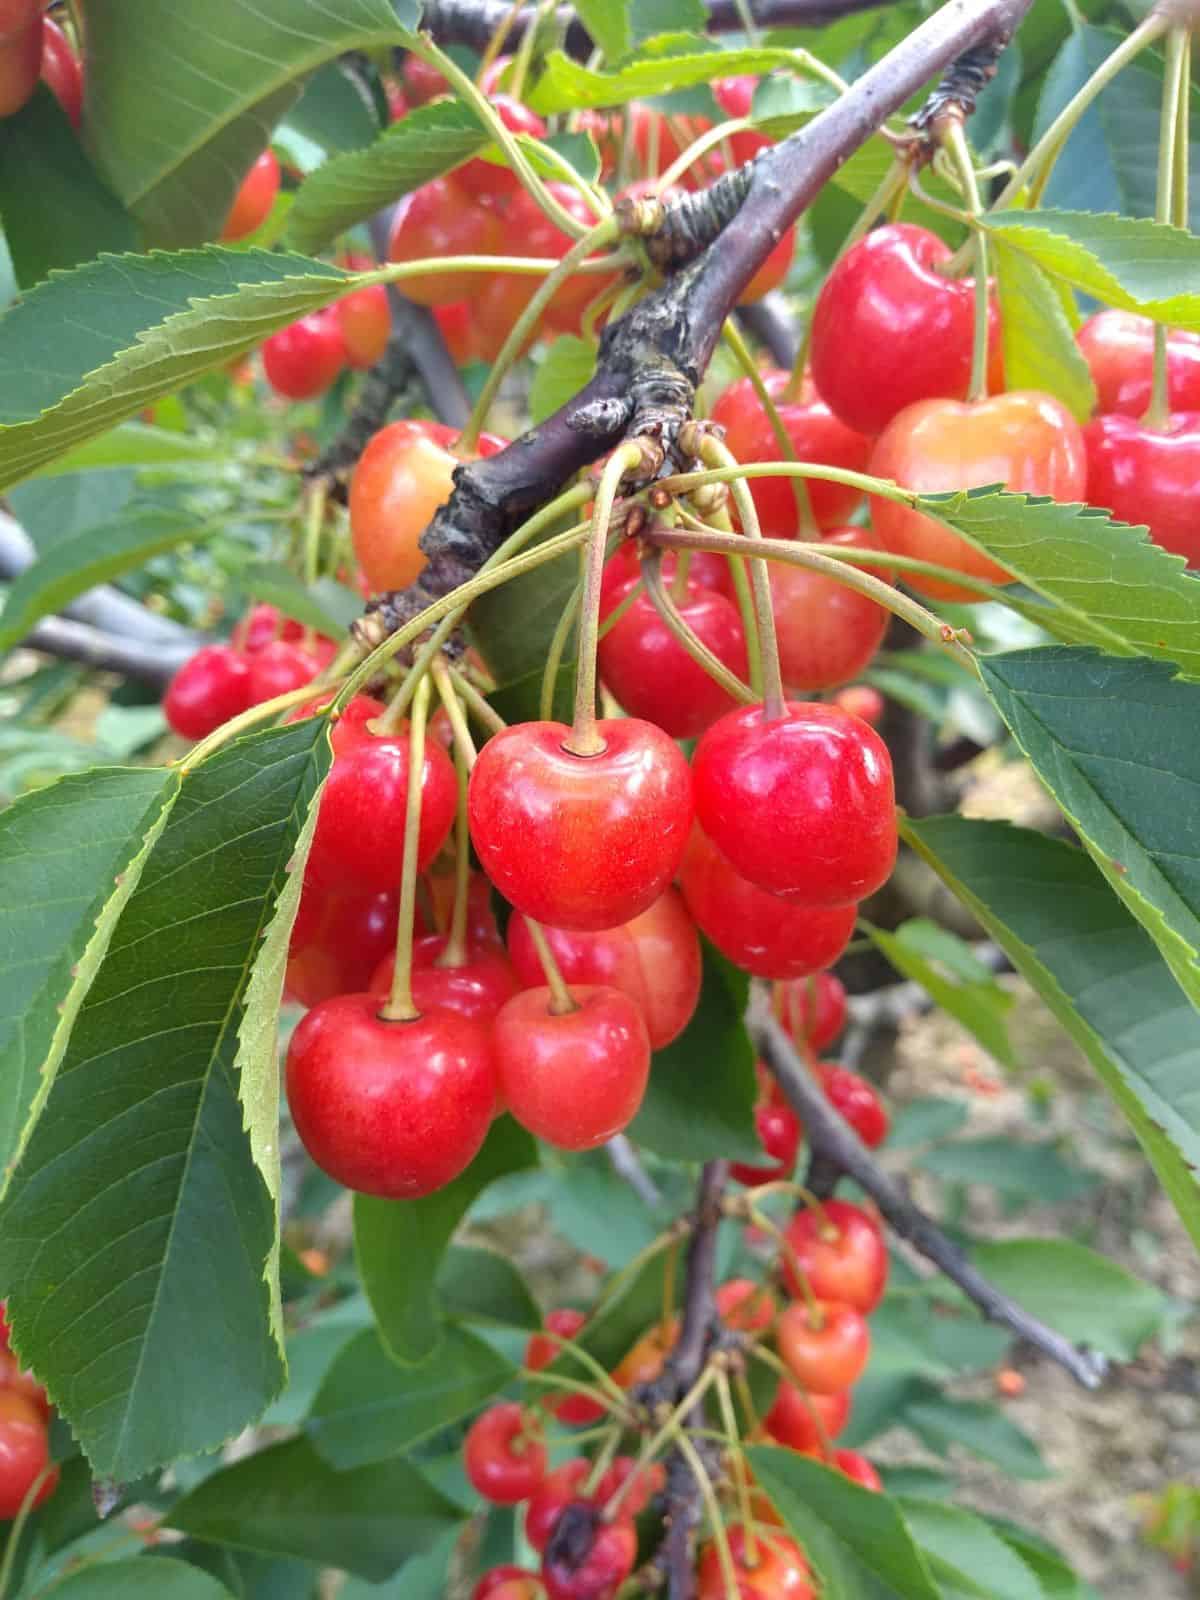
{"x": 858, "y": 1469}
{"x": 365, "y": 319}
{"x": 254, "y": 199}
{"x": 779, "y": 1569}
{"x": 556, "y": 1491}
{"x": 573, "y": 1078}
{"x": 503, "y": 1458}
{"x": 541, "y": 1351}
{"x": 24, "y": 1454}
{"x": 778, "y": 1129}
{"x": 457, "y": 326}
{"x": 209, "y": 688}
{"x": 861, "y": 700}
{"x": 746, "y": 1306}
{"x": 475, "y": 988}
{"x": 766, "y": 936}
{"x": 802, "y": 805}
{"x": 654, "y": 959}
{"x": 1149, "y": 476}
{"x": 278, "y": 668}
{"x": 508, "y": 1583}
{"x": 21, "y": 25}
{"x": 486, "y": 183}
{"x": 438, "y": 221}
{"x": 581, "y": 842}
{"x": 735, "y": 96}
{"x": 1024, "y": 440}
{"x": 338, "y": 941}
{"x": 841, "y": 1253}
{"x": 825, "y": 1346}
{"x": 422, "y": 81}
{"x": 261, "y": 626}
{"x": 813, "y": 1010}
{"x": 827, "y": 632}
{"x": 18, "y": 1380}
{"x": 798, "y": 1419}
{"x": 644, "y": 1361}
{"x": 888, "y": 329}
{"x": 303, "y": 359}
{"x": 1118, "y": 346}
{"x": 651, "y": 1480}
{"x": 857, "y": 1101}
{"x": 395, "y": 1109}
{"x": 587, "y": 1558}
{"x": 61, "y": 71}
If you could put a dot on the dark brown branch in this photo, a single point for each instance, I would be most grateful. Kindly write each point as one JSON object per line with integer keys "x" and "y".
{"x": 831, "y": 1137}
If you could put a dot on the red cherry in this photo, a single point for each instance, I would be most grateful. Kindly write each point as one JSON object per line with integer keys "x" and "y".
{"x": 1023, "y": 440}
{"x": 278, "y": 668}
{"x": 348, "y": 729}
{"x": 253, "y": 201}
{"x": 888, "y": 329}
{"x": 816, "y": 435}
{"x": 826, "y": 631}
{"x": 654, "y": 959}
{"x": 503, "y": 1462}
{"x": 746, "y": 1306}
{"x": 338, "y": 941}
{"x": 556, "y": 1491}
{"x": 766, "y": 936}
{"x": 481, "y": 919}
{"x": 1149, "y": 476}
{"x": 365, "y": 318}
{"x": 17, "y": 1380}
{"x": 21, "y": 25}
{"x": 437, "y": 221}
{"x": 1119, "y": 348}
{"x": 209, "y": 688}
{"x": 802, "y": 805}
{"x": 813, "y": 1010}
{"x": 5, "y": 1330}
{"x": 623, "y": 569}
{"x": 587, "y": 1559}
{"x": 262, "y": 625}
{"x": 573, "y": 1078}
{"x": 735, "y": 96}
{"x": 825, "y": 1347}
{"x": 61, "y": 72}
{"x": 477, "y": 988}
{"x": 395, "y": 1109}
{"x": 796, "y": 1419}
{"x": 24, "y": 1455}
{"x": 651, "y": 1480}
{"x": 841, "y": 1252}
{"x": 541, "y": 1351}
{"x": 857, "y": 1101}
{"x": 303, "y": 359}
{"x": 778, "y": 1129}
{"x": 779, "y": 1570}
{"x": 456, "y": 324}
{"x": 487, "y": 184}
{"x": 359, "y": 840}
{"x": 861, "y": 700}
{"x": 774, "y": 269}
{"x": 422, "y": 81}
{"x": 654, "y": 677}
{"x": 859, "y": 1469}
{"x": 580, "y": 842}
{"x": 508, "y": 1583}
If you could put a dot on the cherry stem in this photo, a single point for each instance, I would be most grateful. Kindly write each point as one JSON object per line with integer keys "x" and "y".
{"x": 400, "y": 1007}
{"x": 954, "y": 141}
{"x": 741, "y": 1383}
{"x": 455, "y": 952}
{"x": 483, "y": 709}
{"x": 525, "y": 49}
{"x": 787, "y": 1186}
{"x": 561, "y": 998}
{"x": 1174, "y": 99}
{"x": 721, "y": 523}
{"x": 608, "y": 1384}
{"x": 243, "y": 722}
{"x": 601, "y": 1462}
{"x": 314, "y": 520}
{"x": 760, "y": 1219}
{"x": 668, "y": 1288}
{"x": 584, "y": 738}
{"x": 670, "y": 1431}
{"x": 14, "y": 1540}
{"x": 697, "y": 150}
{"x": 733, "y": 338}
{"x": 704, "y": 1483}
{"x": 496, "y": 43}
{"x": 662, "y": 602}
{"x": 553, "y": 1380}
{"x": 770, "y": 1359}
{"x": 741, "y": 1479}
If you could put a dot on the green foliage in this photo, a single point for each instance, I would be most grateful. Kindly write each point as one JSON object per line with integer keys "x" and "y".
{"x": 1039, "y": 344}
{"x": 1081, "y": 1294}
{"x": 953, "y": 977}
{"x": 679, "y": 62}
{"x": 144, "y": 1578}
{"x": 566, "y": 367}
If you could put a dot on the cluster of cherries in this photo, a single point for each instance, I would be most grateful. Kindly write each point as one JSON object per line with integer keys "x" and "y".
{"x": 24, "y": 1434}
{"x": 33, "y": 47}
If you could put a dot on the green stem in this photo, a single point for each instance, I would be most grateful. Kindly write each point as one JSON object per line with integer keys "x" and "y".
{"x": 400, "y": 1007}
{"x": 314, "y": 521}
{"x": 740, "y": 1478}
{"x": 955, "y": 141}
{"x": 804, "y": 510}
{"x": 1183, "y": 122}
{"x": 720, "y": 1539}
{"x": 662, "y": 602}
{"x": 1164, "y": 206}
{"x": 697, "y": 150}
{"x": 244, "y": 721}
{"x": 561, "y": 998}
{"x": 670, "y": 1430}
{"x": 484, "y": 711}
{"x": 456, "y": 949}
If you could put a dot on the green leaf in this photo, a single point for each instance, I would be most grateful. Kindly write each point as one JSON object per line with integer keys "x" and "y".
{"x": 1128, "y": 262}
{"x": 1049, "y": 908}
{"x": 925, "y": 1121}
{"x": 141, "y": 326}
{"x": 138, "y": 1230}
{"x": 483, "y": 1286}
{"x": 400, "y": 1243}
{"x": 521, "y": 699}
{"x": 94, "y": 556}
{"x": 425, "y": 1577}
{"x": 650, "y": 18}
{"x": 336, "y": 112}
{"x": 699, "y": 1103}
{"x": 1128, "y": 783}
{"x": 512, "y": 627}
{"x": 370, "y": 1409}
{"x": 430, "y": 141}
{"x": 325, "y": 605}
{"x": 56, "y": 210}
{"x": 1083, "y": 1295}
{"x": 178, "y": 104}
{"x": 921, "y": 951}
{"x": 1040, "y": 351}
{"x": 150, "y": 1577}
{"x": 941, "y": 1420}
{"x": 608, "y": 23}
{"x": 567, "y": 85}
{"x": 964, "y": 1550}
{"x": 140, "y": 444}
{"x": 1015, "y": 1167}
{"x": 287, "y": 1501}
{"x": 567, "y": 365}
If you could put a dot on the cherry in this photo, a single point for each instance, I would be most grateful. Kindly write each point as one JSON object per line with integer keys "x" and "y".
{"x": 586, "y": 1558}
{"x": 654, "y": 959}
{"x": 623, "y": 569}
{"x": 1023, "y": 440}
{"x": 796, "y": 1419}
{"x": 254, "y": 199}
{"x": 338, "y": 941}
{"x": 816, "y": 435}
{"x": 503, "y": 1462}
{"x": 261, "y": 626}
{"x": 859, "y": 1469}
{"x": 21, "y": 25}
{"x": 888, "y": 329}
{"x": 580, "y": 842}
{"x": 746, "y": 1306}
{"x": 508, "y": 1583}
{"x": 351, "y": 727}
{"x": 861, "y": 700}
{"x": 278, "y": 668}
{"x": 779, "y": 1570}
{"x": 778, "y": 1129}
{"x": 436, "y": 221}
{"x": 766, "y": 936}
{"x": 457, "y": 328}
{"x": 649, "y": 135}
{"x": 774, "y": 269}
{"x": 395, "y": 1109}
{"x": 477, "y": 988}
{"x": 573, "y": 1078}
{"x": 644, "y": 1361}
{"x": 1148, "y": 476}
{"x": 826, "y": 631}
{"x": 651, "y": 1480}
{"x": 825, "y": 1346}
{"x": 16, "y": 1380}
{"x": 422, "y": 81}
{"x": 303, "y": 359}
{"x": 485, "y": 183}
{"x": 541, "y": 1351}
{"x": 1119, "y": 348}
{"x": 209, "y": 688}
{"x": 556, "y": 1491}
{"x": 61, "y": 72}
{"x": 359, "y": 839}
{"x": 802, "y": 804}
{"x": 813, "y": 1010}
{"x": 481, "y": 920}
{"x": 735, "y": 96}
{"x": 24, "y": 1454}
{"x": 365, "y": 318}
{"x": 841, "y": 1252}
{"x": 856, "y": 1100}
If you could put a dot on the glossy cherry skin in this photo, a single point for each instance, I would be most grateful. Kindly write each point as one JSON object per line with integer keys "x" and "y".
{"x": 857, "y": 1101}
{"x": 654, "y": 959}
{"x": 780, "y": 1571}
{"x": 485, "y": 183}
{"x": 21, "y": 25}
{"x": 254, "y": 199}
{"x": 395, "y": 1109}
{"x": 801, "y": 805}
{"x": 18, "y": 1382}
{"x": 546, "y": 1504}
{"x": 365, "y": 319}
{"x": 858, "y": 1469}
{"x": 861, "y": 700}
{"x": 503, "y": 1461}
{"x": 508, "y": 1583}
{"x": 827, "y": 632}
{"x": 816, "y": 435}
{"x": 209, "y": 688}
{"x": 580, "y": 842}
{"x": 651, "y": 1480}
{"x": 261, "y": 626}
{"x": 841, "y": 1252}
{"x": 651, "y": 673}
{"x": 735, "y": 96}
{"x": 889, "y": 330}
{"x": 303, "y": 359}
{"x": 796, "y": 1419}
{"x": 574, "y": 1409}
{"x": 757, "y": 931}
{"x": 778, "y": 1129}
{"x": 24, "y": 1455}
{"x": 1149, "y": 477}
{"x": 456, "y": 324}
{"x": 574, "y": 1078}
{"x": 827, "y": 1353}
{"x": 747, "y": 1306}
{"x": 338, "y": 942}
{"x": 1023, "y": 440}
{"x": 1118, "y": 346}
{"x": 437, "y": 221}
{"x": 61, "y": 72}
{"x": 813, "y": 1010}
{"x": 278, "y": 668}
{"x": 476, "y": 988}
{"x": 422, "y": 81}
{"x": 588, "y": 1559}
{"x": 359, "y": 839}
{"x": 623, "y": 569}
